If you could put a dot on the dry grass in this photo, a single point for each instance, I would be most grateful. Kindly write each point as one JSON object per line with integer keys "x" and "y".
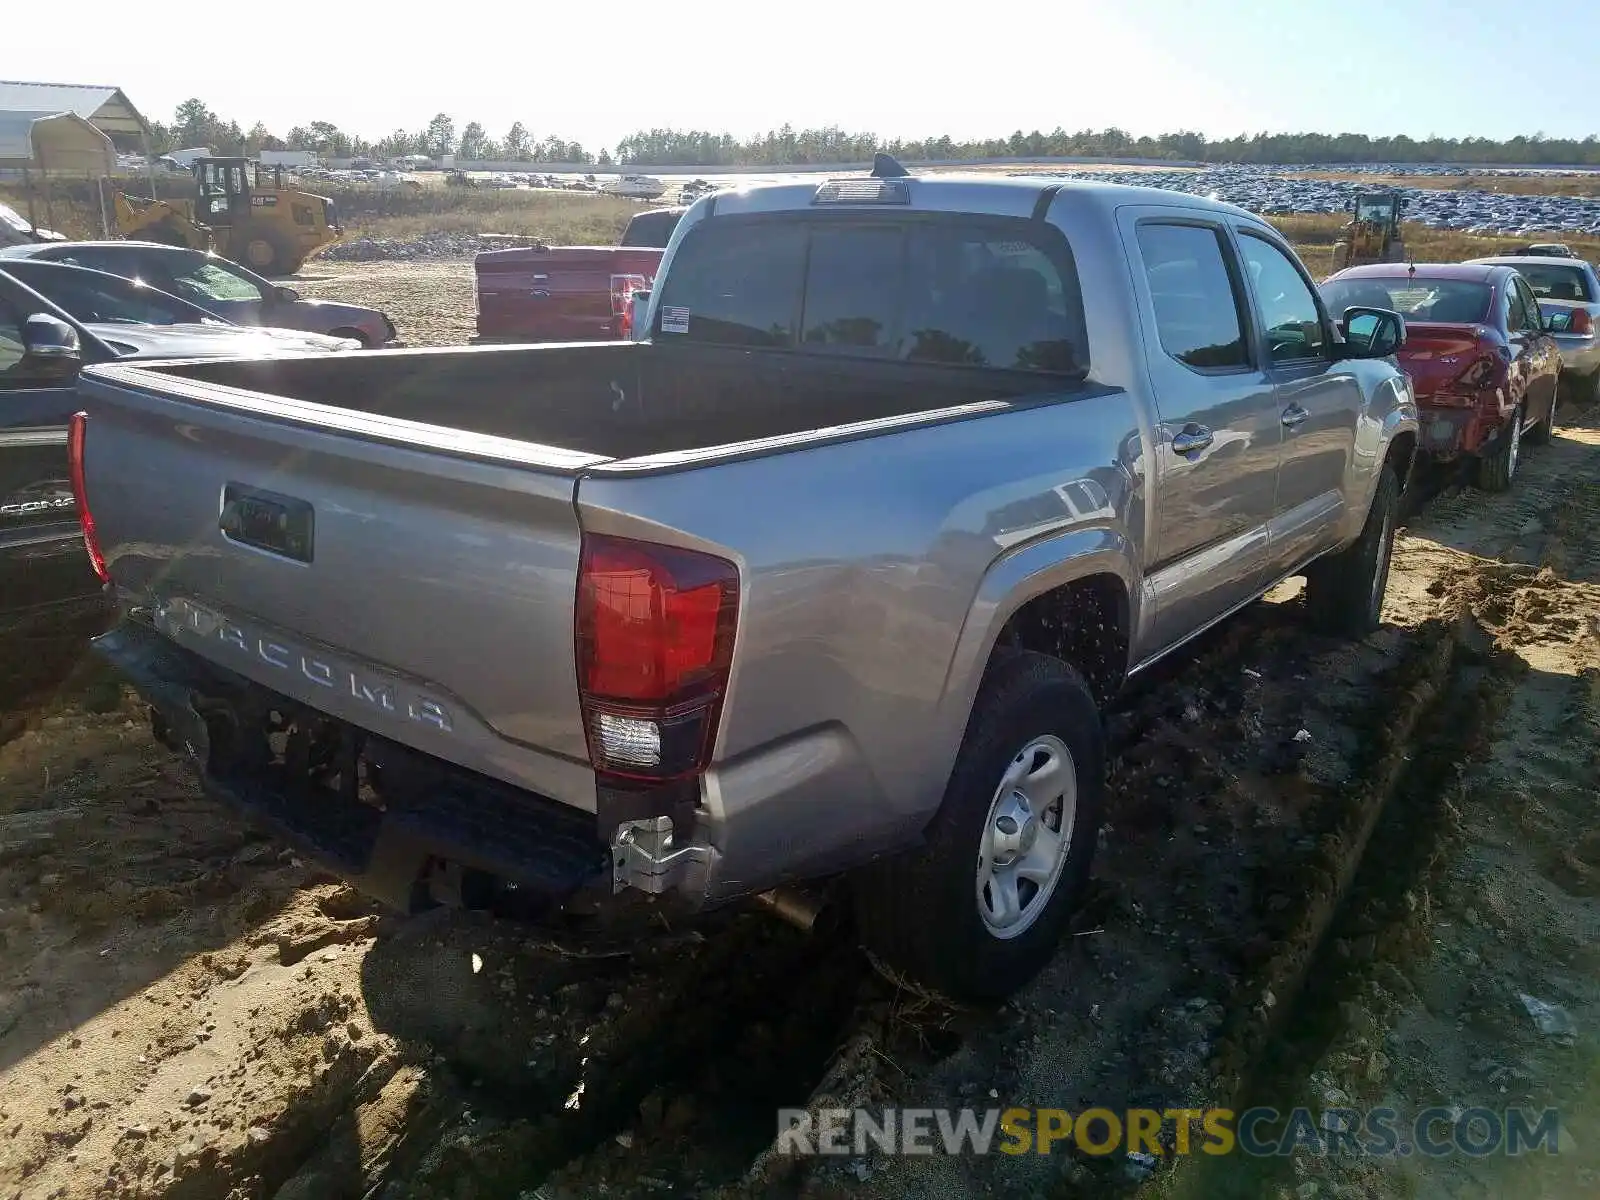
{"x": 1313, "y": 236}
{"x": 1587, "y": 184}
{"x": 570, "y": 218}
{"x": 562, "y": 218}
{"x": 577, "y": 218}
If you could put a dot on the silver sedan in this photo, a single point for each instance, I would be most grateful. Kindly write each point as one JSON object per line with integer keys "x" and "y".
{"x": 1566, "y": 287}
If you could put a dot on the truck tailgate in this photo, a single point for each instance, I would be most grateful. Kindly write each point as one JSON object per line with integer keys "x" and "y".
{"x": 562, "y": 293}
{"x": 415, "y": 581}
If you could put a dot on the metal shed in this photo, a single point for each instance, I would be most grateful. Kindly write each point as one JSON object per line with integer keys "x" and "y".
{"x": 104, "y": 107}
{"x": 54, "y": 143}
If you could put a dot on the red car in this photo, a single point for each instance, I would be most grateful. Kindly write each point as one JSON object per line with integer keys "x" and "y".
{"x": 1483, "y": 366}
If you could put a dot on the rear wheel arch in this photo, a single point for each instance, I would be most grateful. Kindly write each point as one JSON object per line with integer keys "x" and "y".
{"x": 1085, "y": 622}
{"x": 350, "y": 331}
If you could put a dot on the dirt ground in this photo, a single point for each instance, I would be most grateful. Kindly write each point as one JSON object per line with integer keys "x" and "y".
{"x": 188, "y": 1011}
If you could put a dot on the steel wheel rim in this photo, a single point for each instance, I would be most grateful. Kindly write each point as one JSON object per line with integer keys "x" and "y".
{"x": 1025, "y": 837}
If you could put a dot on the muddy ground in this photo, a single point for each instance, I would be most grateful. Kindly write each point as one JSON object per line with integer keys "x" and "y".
{"x": 188, "y": 1011}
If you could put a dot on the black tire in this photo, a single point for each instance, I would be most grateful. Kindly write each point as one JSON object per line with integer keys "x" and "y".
{"x": 1541, "y": 433}
{"x": 1344, "y": 591}
{"x": 1495, "y": 470}
{"x": 919, "y": 913}
{"x": 261, "y": 248}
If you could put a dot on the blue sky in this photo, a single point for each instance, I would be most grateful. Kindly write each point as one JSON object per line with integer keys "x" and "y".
{"x": 597, "y": 71}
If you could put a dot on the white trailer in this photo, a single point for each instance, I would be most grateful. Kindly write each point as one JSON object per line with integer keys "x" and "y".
{"x": 289, "y": 158}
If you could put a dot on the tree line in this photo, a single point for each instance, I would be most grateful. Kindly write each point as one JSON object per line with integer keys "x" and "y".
{"x": 195, "y": 124}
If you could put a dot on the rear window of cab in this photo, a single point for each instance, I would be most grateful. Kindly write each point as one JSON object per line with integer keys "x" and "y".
{"x": 1001, "y": 294}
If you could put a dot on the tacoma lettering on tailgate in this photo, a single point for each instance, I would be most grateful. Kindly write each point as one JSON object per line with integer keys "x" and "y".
{"x": 183, "y": 618}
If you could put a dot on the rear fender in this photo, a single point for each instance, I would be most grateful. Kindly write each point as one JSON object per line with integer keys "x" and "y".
{"x": 1389, "y": 419}
{"x": 1012, "y": 581}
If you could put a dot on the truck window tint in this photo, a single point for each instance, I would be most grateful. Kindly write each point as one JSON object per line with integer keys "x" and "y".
{"x": 1289, "y": 310}
{"x": 1195, "y": 303}
{"x": 735, "y": 284}
{"x": 979, "y": 298}
{"x": 854, "y": 286}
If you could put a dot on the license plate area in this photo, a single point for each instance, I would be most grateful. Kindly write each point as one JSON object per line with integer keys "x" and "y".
{"x": 268, "y": 521}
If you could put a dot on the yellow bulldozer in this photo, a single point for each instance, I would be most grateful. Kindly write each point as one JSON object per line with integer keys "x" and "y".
{"x": 239, "y": 209}
{"x": 1373, "y": 232}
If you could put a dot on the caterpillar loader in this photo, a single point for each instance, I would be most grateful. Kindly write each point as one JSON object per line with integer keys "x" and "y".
{"x": 1373, "y": 232}
{"x": 241, "y": 211}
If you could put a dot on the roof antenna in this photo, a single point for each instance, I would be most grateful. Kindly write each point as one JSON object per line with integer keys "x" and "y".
{"x": 886, "y": 166}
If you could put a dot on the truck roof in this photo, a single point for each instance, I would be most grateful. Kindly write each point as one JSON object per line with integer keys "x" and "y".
{"x": 998, "y": 195}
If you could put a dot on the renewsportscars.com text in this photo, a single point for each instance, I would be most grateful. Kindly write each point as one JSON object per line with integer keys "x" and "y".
{"x": 1376, "y": 1132}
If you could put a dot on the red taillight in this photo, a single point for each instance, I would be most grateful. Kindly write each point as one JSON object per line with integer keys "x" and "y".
{"x": 77, "y": 430}
{"x": 655, "y": 629}
{"x": 1581, "y": 323}
{"x": 622, "y": 289}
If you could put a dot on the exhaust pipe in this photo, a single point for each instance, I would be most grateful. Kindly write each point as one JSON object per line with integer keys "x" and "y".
{"x": 806, "y": 912}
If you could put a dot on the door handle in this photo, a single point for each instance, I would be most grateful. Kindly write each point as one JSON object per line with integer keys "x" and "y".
{"x": 1294, "y": 415}
{"x": 1191, "y": 438}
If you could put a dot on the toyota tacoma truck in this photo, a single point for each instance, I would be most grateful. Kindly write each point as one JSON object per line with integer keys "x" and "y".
{"x": 827, "y": 578}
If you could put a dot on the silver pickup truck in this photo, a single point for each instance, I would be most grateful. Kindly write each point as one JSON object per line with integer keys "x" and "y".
{"x": 829, "y": 575}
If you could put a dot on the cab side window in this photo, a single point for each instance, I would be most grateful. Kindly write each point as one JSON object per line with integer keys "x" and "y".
{"x": 1289, "y": 311}
{"x": 1199, "y": 318}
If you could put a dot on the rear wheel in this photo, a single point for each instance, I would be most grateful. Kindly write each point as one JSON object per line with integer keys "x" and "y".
{"x": 1344, "y": 591}
{"x": 1541, "y": 433}
{"x": 978, "y": 910}
{"x": 1498, "y": 467}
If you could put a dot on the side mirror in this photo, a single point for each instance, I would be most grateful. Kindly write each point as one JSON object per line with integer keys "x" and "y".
{"x": 50, "y": 349}
{"x": 1372, "y": 332}
{"x": 286, "y": 295}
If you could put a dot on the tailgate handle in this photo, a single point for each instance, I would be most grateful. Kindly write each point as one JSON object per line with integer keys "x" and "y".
{"x": 278, "y": 524}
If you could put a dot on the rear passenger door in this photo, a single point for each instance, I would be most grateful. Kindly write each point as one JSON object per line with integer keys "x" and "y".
{"x": 1218, "y": 439}
{"x": 1319, "y": 401}
{"x": 1544, "y": 359}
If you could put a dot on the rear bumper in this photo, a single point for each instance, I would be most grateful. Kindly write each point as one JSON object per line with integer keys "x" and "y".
{"x": 414, "y": 831}
{"x": 1580, "y": 358}
{"x": 1449, "y": 431}
{"x": 405, "y": 828}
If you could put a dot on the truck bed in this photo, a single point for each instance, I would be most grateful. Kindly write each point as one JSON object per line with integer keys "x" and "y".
{"x": 393, "y": 538}
{"x": 615, "y": 400}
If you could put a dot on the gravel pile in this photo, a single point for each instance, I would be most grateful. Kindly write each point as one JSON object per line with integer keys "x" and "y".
{"x": 429, "y": 245}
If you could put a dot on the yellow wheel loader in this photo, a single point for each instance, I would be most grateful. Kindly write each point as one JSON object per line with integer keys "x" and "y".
{"x": 1373, "y": 232}
{"x": 242, "y": 212}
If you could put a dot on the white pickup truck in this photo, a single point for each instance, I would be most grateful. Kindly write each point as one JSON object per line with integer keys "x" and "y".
{"x": 830, "y": 574}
